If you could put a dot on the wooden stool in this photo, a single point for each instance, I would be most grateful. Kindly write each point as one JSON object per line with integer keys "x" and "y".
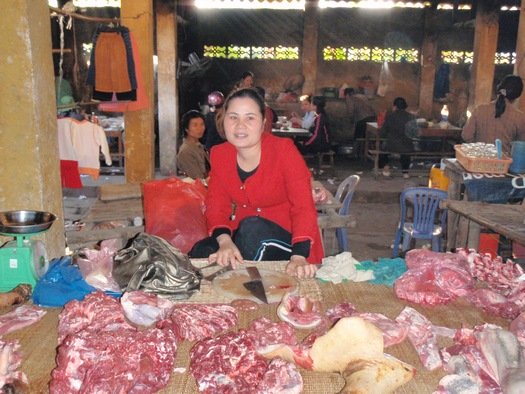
{"x": 119, "y": 155}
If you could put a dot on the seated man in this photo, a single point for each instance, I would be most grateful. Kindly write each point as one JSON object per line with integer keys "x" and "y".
{"x": 360, "y": 112}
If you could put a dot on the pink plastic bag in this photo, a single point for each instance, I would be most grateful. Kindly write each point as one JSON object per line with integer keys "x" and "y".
{"x": 174, "y": 210}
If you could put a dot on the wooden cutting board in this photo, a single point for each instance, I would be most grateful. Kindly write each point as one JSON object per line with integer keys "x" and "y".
{"x": 276, "y": 284}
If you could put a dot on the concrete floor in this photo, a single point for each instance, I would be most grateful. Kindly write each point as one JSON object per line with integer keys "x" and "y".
{"x": 375, "y": 203}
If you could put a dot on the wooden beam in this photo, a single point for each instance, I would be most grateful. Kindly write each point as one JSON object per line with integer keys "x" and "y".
{"x": 310, "y": 46}
{"x": 428, "y": 74}
{"x": 139, "y": 144}
{"x": 167, "y": 87}
{"x": 485, "y": 44}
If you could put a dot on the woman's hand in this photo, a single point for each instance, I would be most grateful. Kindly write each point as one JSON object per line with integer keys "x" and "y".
{"x": 227, "y": 254}
{"x": 299, "y": 267}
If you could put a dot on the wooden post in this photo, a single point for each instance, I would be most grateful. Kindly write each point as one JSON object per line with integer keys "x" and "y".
{"x": 310, "y": 46}
{"x": 485, "y": 44}
{"x": 139, "y": 142}
{"x": 519, "y": 66}
{"x": 428, "y": 73}
{"x": 167, "y": 87}
{"x": 30, "y": 175}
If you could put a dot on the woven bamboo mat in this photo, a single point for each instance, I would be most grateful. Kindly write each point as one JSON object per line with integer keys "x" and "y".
{"x": 39, "y": 341}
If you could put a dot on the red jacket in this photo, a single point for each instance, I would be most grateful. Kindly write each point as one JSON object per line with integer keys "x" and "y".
{"x": 280, "y": 191}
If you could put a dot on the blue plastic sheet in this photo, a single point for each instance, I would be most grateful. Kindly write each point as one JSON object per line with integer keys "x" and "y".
{"x": 61, "y": 283}
{"x": 386, "y": 270}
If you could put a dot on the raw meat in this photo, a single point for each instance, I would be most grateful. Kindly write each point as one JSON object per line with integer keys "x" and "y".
{"x": 344, "y": 309}
{"x": 23, "y": 316}
{"x": 300, "y": 312}
{"x": 10, "y": 361}
{"x": 434, "y": 278}
{"x": 265, "y": 334}
{"x": 194, "y": 322}
{"x": 422, "y": 337}
{"x": 494, "y": 303}
{"x": 97, "y": 311}
{"x": 18, "y": 295}
{"x": 517, "y": 327}
{"x": 96, "y": 265}
{"x": 243, "y": 304}
{"x": 120, "y": 361}
{"x": 281, "y": 377}
{"x": 228, "y": 363}
{"x": 144, "y": 309}
{"x": 393, "y": 332}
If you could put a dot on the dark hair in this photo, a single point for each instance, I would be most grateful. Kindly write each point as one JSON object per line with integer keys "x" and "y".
{"x": 247, "y": 74}
{"x": 261, "y": 91}
{"x": 510, "y": 87}
{"x": 187, "y": 117}
{"x": 349, "y": 92}
{"x": 400, "y": 103}
{"x": 320, "y": 103}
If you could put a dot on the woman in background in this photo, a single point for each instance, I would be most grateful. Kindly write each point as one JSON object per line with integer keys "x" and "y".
{"x": 192, "y": 159}
{"x": 499, "y": 118}
{"x": 319, "y": 141}
{"x": 259, "y": 204}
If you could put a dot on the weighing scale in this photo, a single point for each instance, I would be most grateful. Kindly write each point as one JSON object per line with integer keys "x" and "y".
{"x": 23, "y": 260}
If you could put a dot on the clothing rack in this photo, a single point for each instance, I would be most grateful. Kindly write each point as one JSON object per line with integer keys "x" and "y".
{"x": 84, "y": 17}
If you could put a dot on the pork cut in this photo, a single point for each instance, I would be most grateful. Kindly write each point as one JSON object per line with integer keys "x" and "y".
{"x": 393, "y": 331}
{"x": 10, "y": 361}
{"x": 120, "y": 361}
{"x": 266, "y": 333}
{"x": 21, "y": 317}
{"x": 300, "y": 311}
{"x": 194, "y": 322}
{"x": 281, "y": 377}
{"x": 144, "y": 309}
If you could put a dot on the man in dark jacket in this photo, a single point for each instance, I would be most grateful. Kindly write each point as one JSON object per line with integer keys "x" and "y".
{"x": 396, "y": 139}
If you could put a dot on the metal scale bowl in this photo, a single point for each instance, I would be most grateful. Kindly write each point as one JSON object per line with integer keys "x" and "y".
{"x": 22, "y": 260}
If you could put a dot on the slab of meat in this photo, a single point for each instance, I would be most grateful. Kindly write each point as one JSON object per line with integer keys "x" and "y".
{"x": 97, "y": 311}
{"x": 120, "y": 361}
{"x": 494, "y": 303}
{"x": 393, "y": 331}
{"x": 434, "y": 278}
{"x": 194, "y": 322}
{"x": 265, "y": 333}
{"x": 344, "y": 309}
{"x": 19, "y": 294}
{"x": 23, "y": 316}
{"x": 281, "y": 377}
{"x": 228, "y": 363}
{"x": 422, "y": 337}
{"x": 10, "y": 361}
{"x": 144, "y": 309}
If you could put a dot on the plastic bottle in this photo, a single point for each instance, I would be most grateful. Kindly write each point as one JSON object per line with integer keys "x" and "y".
{"x": 444, "y": 113}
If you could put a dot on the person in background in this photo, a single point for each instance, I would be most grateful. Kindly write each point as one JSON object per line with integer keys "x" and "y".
{"x": 192, "y": 159}
{"x": 247, "y": 80}
{"x": 270, "y": 117}
{"x": 360, "y": 112}
{"x": 309, "y": 113}
{"x": 259, "y": 204}
{"x": 499, "y": 118}
{"x": 396, "y": 139}
{"x": 319, "y": 141}
{"x": 212, "y": 136}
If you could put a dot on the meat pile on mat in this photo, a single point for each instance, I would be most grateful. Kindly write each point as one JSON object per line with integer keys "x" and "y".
{"x": 438, "y": 278}
{"x": 100, "y": 351}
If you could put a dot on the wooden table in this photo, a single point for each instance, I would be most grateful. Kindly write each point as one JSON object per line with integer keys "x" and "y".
{"x": 291, "y": 132}
{"x": 39, "y": 341}
{"x": 505, "y": 219}
{"x": 460, "y": 231}
{"x": 372, "y": 146}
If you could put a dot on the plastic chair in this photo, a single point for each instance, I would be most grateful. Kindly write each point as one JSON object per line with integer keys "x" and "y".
{"x": 425, "y": 222}
{"x": 344, "y": 193}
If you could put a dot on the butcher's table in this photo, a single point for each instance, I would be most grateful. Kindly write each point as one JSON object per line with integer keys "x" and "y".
{"x": 38, "y": 342}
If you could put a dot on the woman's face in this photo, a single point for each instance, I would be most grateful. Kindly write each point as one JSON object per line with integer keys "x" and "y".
{"x": 247, "y": 82}
{"x": 243, "y": 123}
{"x": 306, "y": 106}
{"x": 195, "y": 128}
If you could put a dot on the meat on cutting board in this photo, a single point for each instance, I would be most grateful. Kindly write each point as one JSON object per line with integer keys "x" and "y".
{"x": 198, "y": 321}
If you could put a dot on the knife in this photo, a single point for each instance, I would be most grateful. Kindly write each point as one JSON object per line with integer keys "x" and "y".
{"x": 255, "y": 285}
{"x": 217, "y": 273}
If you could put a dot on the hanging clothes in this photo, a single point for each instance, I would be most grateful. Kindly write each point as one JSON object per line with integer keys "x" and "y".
{"x": 441, "y": 83}
{"x": 112, "y": 67}
{"x": 83, "y": 141}
{"x": 142, "y": 101}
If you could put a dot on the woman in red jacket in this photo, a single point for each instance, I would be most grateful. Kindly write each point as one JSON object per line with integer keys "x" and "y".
{"x": 259, "y": 204}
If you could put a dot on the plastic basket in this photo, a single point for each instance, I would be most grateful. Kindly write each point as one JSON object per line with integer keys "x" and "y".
{"x": 481, "y": 164}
